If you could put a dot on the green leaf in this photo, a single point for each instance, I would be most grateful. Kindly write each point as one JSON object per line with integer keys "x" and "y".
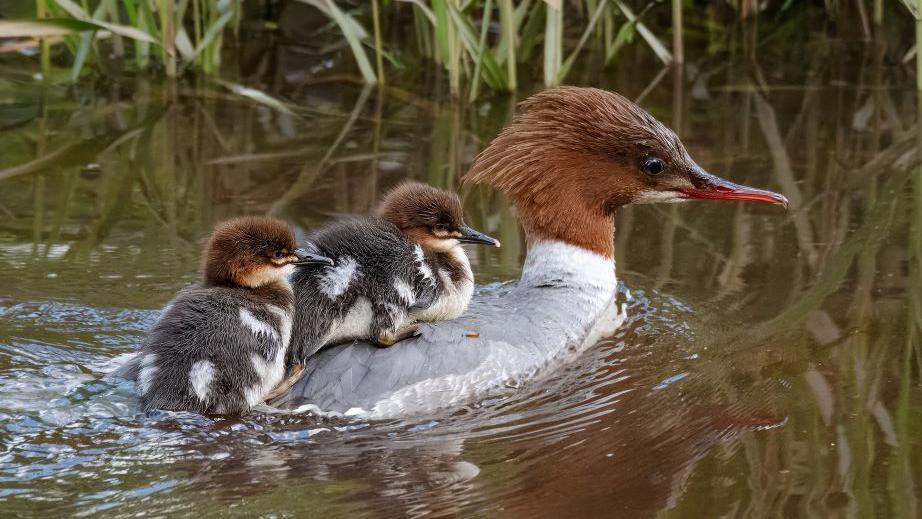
{"x": 352, "y": 31}
{"x": 42, "y": 28}
{"x": 255, "y": 95}
{"x": 492, "y": 72}
{"x": 440, "y": 9}
{"x": 625, "y": 35}
{"x": 62, "y": 26}
{"x": 122, "y": 30}
{"x": 655, "y": 45}
{"x": 424, "y": 8}
{"x": 568, "y": 63}
{"x": 211, "y": 33}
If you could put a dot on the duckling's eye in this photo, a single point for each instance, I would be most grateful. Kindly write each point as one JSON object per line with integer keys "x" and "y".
{"x": 653, "y": 166}
{"x": 440, "y": 227}
{"x": 278, "y": 254}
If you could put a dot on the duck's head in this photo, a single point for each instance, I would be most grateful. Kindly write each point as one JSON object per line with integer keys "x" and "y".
{"x": 573, "y": 155}
{"x": 253, "y": 251}
{"x": 431, "y": 217}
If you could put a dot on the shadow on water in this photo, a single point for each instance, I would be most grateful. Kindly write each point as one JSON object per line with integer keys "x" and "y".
{"x": 770, "y": 365}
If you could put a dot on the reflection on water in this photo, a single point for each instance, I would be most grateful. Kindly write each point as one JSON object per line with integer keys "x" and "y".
{"x": 770, "y": 365}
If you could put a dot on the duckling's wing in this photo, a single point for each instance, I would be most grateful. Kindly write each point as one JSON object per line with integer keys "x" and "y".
{"x": 426, "y": 291}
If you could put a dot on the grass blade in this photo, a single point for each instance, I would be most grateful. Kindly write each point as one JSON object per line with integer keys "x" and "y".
{"x": 64, "y": 26}
{"x": 122, "y": 30}
{"x": 481, "y": 49}
{"x": 424, "y": 8}
{"x": 655, "y": 45}
{"x": 352, "y": 31}
{"x": 255, "y": 95}
{"x": 582, "y": 41}
{"x": 492, "y": 72}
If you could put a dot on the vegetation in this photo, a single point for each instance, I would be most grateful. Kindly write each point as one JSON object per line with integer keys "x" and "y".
{"x": 478, "y": 44}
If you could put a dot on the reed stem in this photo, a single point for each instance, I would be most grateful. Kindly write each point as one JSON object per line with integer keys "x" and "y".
{"x": 507, "y": 26}
{"x": 379, "y": 57}
{"x": 678, "y": 45}
{"x": 919, "y": 46}
{"x": 41, "y": 11}
{"x": 481, "y": 48}
{"x": 168, "y": 37}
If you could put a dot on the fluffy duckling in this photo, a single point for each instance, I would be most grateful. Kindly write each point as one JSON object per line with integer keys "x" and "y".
{"x": 400, "y": 266}
{"x": 219, "y": 347}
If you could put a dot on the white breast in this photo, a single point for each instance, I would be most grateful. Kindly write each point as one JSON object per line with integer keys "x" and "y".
{"x": 354, "y": 325}
{"x": 455, "y": 296}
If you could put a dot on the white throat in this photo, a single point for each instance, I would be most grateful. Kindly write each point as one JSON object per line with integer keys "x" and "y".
{"x": 560, "y": 264}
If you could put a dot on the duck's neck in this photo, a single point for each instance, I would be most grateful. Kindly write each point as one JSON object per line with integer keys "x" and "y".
{"x": 554, "y": 214}
{"x": 558, "y": 264}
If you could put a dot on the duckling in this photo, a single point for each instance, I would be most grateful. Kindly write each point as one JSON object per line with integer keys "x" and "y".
{"x": 219, "y": 347}
{"x": 402, "y": 265}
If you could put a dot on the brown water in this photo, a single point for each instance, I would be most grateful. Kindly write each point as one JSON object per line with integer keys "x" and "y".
{"x": 770, "y": 365}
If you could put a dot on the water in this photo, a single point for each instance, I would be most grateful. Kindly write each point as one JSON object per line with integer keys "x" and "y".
{"x": 769, "y": 366}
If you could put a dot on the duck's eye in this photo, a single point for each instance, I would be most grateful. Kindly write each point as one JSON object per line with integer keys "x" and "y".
{"x": 278, "y": 254}
{"x": 653, "y": 166}
{"x": 440, "y": 227}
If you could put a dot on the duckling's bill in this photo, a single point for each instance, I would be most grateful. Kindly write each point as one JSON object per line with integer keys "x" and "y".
{"x": 307, "y": 258}
{"x": 469, "y": 235}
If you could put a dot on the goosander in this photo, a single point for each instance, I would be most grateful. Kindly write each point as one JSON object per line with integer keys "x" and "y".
{"x": 393, "y": 269}
{"x": 219, "y": 346}
{"x": 571, "y": 157}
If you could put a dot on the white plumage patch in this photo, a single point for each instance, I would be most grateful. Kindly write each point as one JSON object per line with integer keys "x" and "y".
{"x": 657, "y": 197}
{"x": 200, "y": 378}
{"x": 270, "y": 373}
{"x": 421, "y": 264}
{"x": 148, "y": 370}
{"x": 455, "y": 296}
{"x": 258, "y": 327}
{"x": 335, "y": 280}
{"x": 284, "y": 323}
{"x": 404, "y": 291}
{"x": 354, "y": 325}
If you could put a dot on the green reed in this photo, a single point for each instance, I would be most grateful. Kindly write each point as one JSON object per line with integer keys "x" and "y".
{"x": 173, "y": 36}
{"x": 477, "y": 44}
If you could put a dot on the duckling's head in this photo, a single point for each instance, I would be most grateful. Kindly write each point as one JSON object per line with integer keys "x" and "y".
{"x": 432, "y": 217}
{"x": 253, "y": 251}
{"x": 573, "y": 155}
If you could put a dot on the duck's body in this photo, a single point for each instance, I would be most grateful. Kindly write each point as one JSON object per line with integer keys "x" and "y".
{"x": 565, "y": 298}
{"x": 571, "y": 157}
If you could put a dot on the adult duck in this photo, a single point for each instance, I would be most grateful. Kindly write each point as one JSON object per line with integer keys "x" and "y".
{"x": 569, "y": 160}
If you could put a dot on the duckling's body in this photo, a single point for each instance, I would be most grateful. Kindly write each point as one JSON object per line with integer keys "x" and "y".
{"x": 220, "y": 346}
{"x": 217, "y": 350}
{"x": 377, "y": 286}
{"x": 385, "y": 278}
